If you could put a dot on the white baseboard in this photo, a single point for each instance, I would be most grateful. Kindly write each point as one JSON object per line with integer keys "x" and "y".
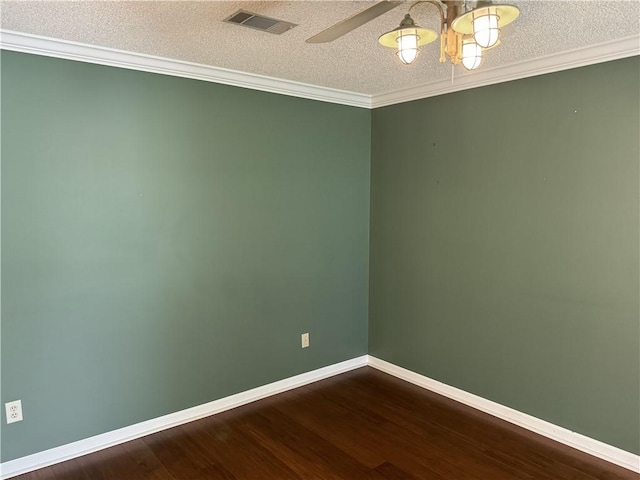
{"x": 559, "y": 434}
{"x": 83, "y": 447}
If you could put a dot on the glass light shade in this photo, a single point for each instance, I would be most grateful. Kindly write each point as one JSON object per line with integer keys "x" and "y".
{"x": 485, "y": 28}
{"x": 406, "y": 39}
{"x": 471, "y": 54}
{"x": 408, "y": 46}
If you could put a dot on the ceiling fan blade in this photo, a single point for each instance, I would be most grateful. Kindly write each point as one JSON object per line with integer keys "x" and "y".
{"x": 351, "y": 23}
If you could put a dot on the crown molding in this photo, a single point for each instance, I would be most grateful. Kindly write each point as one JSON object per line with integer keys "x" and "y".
{"x": 51, "y": 47}
{"x": 579, "y": 57}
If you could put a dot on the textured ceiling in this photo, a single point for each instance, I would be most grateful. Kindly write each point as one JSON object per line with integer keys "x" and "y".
{"x": 194, "y": 32}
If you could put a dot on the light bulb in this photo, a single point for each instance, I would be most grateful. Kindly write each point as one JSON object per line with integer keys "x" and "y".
{"x": 408, "y": 47}
{"x": 471, "y": 55}
{"x": 485, "y": 28}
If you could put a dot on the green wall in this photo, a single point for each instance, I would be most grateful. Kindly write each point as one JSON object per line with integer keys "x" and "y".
{"x": 166, "y": 241}
{"x": 504, "y": 245}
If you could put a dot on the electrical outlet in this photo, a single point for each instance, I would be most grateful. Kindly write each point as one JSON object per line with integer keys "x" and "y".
{"x": 14, "y": 411}
{"x": 305, "y": 340}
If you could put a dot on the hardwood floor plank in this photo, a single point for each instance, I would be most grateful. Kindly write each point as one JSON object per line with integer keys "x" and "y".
{"x": 337, "y": 427}
{"x": 309, "y": 455}
{"x": 446, "y": 444}
{"x": 183, "y": 458}
{"x": 508, "y": 442}
{"x": 227, "y": 442}
{"x": 109, "y": 464}
{"x": 44, "y": 474}
{"x": 371, "y": 443}
{"x": 343, "y": 408}
{"x": 361, "y": 425}
{"x": 148, "y": 463}
{"x": 69, "y": 470}
{"x": 390, "y": 472}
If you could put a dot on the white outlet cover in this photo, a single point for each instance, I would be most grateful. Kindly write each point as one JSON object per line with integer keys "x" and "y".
{"x": 14, "y": 411}
{"x": 305, "y": 340}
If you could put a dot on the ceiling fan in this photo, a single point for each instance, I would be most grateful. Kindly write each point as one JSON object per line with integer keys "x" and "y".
{"x": 465, "y": 31}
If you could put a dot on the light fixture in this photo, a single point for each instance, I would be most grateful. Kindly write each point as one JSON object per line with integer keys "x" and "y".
{"x": 463, "y": 35}
{"x": 485, "y": 23}
{"x": 407, "y": 38}
{"x": 471, "y": 54}
{"x": 485, "y": 27}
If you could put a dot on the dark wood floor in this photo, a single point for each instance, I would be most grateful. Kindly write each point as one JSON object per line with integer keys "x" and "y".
{"x": 362, "y": 425}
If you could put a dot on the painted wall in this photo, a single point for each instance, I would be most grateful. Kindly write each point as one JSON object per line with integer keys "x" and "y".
{"x": 166, "y": 241}
{"x": 505, "y": 245}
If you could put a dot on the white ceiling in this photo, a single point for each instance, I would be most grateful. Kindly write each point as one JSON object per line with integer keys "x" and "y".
{"x": 193, "y": 31}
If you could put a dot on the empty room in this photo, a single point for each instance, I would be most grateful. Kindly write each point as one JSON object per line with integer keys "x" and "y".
{"x": 351, "y": 240}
